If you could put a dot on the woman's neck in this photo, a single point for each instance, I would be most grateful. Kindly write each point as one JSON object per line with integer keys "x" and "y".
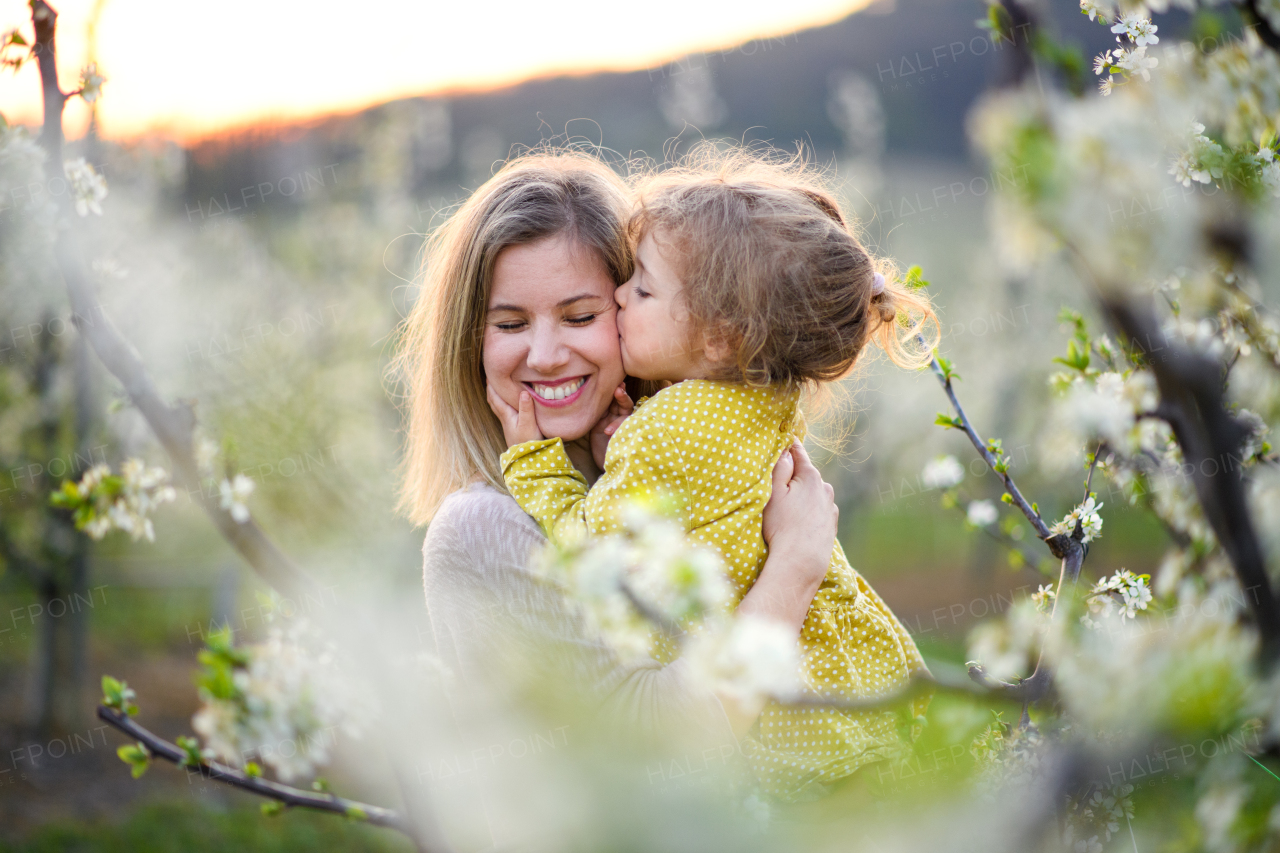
{"x": 579, "y": 453}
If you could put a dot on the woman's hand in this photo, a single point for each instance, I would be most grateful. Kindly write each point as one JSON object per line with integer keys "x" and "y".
{"x": 518, "y": 425}
{"x": 619, "y": 410}
{"x": 800, "y": 529}
{"x": 801, "y": 517}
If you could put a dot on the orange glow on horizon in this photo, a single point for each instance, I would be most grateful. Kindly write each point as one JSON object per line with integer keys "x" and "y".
{"x": 179, "y": 70}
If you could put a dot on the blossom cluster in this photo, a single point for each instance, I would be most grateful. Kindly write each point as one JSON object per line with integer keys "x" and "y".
{"x": 1124, "y": 593}
{"x": 1125, "y": 62}
{"x": 1086, "y": 515}
{"x": 88, "y": 188}
{"x": 278, "y": 702}
{"x": 102, "y": 501}
{"x": 640, "y": 585}
{"x": 233, "y": 491}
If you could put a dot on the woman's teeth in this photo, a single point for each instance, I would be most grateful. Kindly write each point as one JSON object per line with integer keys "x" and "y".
{"x": 558, "y": 392}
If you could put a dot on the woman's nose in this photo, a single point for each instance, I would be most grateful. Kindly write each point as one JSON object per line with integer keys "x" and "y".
{"x": 547, "y": 352}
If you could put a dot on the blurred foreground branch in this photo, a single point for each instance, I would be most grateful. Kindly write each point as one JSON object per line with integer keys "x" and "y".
{"x": 1192, "y": 401}
{"x": 295, "y": 797}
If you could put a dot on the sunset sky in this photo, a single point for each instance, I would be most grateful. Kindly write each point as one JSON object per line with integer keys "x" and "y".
{"x": 189, "y": 69}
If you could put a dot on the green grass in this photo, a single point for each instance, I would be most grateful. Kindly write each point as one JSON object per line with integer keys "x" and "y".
{"x": 184, "y": 828}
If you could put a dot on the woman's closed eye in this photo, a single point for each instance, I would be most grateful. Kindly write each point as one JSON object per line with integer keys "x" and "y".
{"x": 581, "y": 319}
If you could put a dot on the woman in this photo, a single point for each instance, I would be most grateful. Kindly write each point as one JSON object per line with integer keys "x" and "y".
{"x": 519, "y": 295}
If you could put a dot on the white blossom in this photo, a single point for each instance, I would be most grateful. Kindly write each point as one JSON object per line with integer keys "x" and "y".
{"x": 1087, "y": 515}
{"x": 233, "y": 495}
{"x": 755, "y": 658}
{"x": 287, "y": 705}
{"x": 91, "y": 83}
{"x": 982, "y": 513}
{"x": 1004, "y": 646}
{"x": 942, "y": 472}
{"x": 1135, "y": 61}
{"x": 1140, "y": 30}
{"x": 87, "y": 186}
{"x": 1124, "y": 593}
{"x": 1044, "y": 598}
{"x": 121, "y": 503}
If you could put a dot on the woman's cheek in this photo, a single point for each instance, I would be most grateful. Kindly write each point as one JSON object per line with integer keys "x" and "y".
{"x": 500, "y": 358}
{"x": 607, "y": 352}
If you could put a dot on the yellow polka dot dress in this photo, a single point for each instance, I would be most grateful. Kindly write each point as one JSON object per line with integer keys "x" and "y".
{"x": 712, "y": 446}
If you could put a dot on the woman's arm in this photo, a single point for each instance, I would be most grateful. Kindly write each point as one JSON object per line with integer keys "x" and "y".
{"x": 495, "y": 621}
{"x": 800, "y": 529}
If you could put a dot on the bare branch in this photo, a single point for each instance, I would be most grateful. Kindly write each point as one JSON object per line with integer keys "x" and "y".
{"x": 666, "y": 625}
{"x": 295, "y": 797}
{"x": 1042, "y": 529}
{"x": 941, "y": 677}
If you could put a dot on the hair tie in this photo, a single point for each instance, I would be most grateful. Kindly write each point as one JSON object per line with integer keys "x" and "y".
{"x": 878, "y": 287}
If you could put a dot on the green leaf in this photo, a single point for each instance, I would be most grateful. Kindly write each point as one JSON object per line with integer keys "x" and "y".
{"x": 271, "y": 808}
{"x": 999, "y": 22}
{"x": 949, "y": 422}
{"x": 118, "y": 695}
{"x": 136, "y": 756}
{"x": 192, "y": 756}
{"x": 946, "y": 366}
{"x": 915, "y": 278}
{"x": 1007, "y": 498}
{"x": 356, "y": 813}
{"x": 252, "y": 769}
{"x": 322, "y": 785}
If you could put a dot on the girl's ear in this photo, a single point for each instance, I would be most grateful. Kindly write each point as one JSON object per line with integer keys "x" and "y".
{"x": 717, "y": 345}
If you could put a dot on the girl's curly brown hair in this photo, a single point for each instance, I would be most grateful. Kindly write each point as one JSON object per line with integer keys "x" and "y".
{"x": 772, "y": 268}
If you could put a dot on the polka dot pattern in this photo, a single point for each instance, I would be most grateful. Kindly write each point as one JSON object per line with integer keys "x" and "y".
{"x": 711, "y": 446}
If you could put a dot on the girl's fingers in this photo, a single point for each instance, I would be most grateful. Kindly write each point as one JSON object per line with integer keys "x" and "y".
{"x": 524, "y": 419}
{"x": 623, "y": 399}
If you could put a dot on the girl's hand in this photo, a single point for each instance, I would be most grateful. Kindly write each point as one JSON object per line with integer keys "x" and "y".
{"x": 619, "y": 410}
{"x": 518, "y": 425}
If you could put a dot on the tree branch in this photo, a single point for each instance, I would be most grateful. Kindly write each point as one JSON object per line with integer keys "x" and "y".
{"x": 295, "y": 797}
{"x": 1191, "y": 400}
{"x": 1260, "y": 23}
{"x": 941, "y": 677}
{"x": 173, "y": 425}
{"x": 1042, "y": 529}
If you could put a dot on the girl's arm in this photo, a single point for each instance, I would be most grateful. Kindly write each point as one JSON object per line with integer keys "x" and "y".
{"x": 800, "y": 529}
{"x": 645, "y": 465}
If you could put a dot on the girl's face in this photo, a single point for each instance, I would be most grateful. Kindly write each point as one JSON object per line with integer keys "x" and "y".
{"x": 658, "y": 339}
{"x": 550, "y": 330}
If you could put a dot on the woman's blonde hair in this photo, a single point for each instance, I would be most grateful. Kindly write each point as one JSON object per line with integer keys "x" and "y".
{"x": 452, "y": 436}
{"x": 772, "y": 268}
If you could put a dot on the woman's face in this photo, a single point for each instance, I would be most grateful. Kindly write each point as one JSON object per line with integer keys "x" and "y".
{"x": 550, "y": 330}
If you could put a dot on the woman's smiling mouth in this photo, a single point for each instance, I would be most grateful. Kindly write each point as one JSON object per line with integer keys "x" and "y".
{"x": 560, "y": 393}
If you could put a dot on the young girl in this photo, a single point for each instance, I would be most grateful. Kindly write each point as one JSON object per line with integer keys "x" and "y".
{"x": 748, "y": 288}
